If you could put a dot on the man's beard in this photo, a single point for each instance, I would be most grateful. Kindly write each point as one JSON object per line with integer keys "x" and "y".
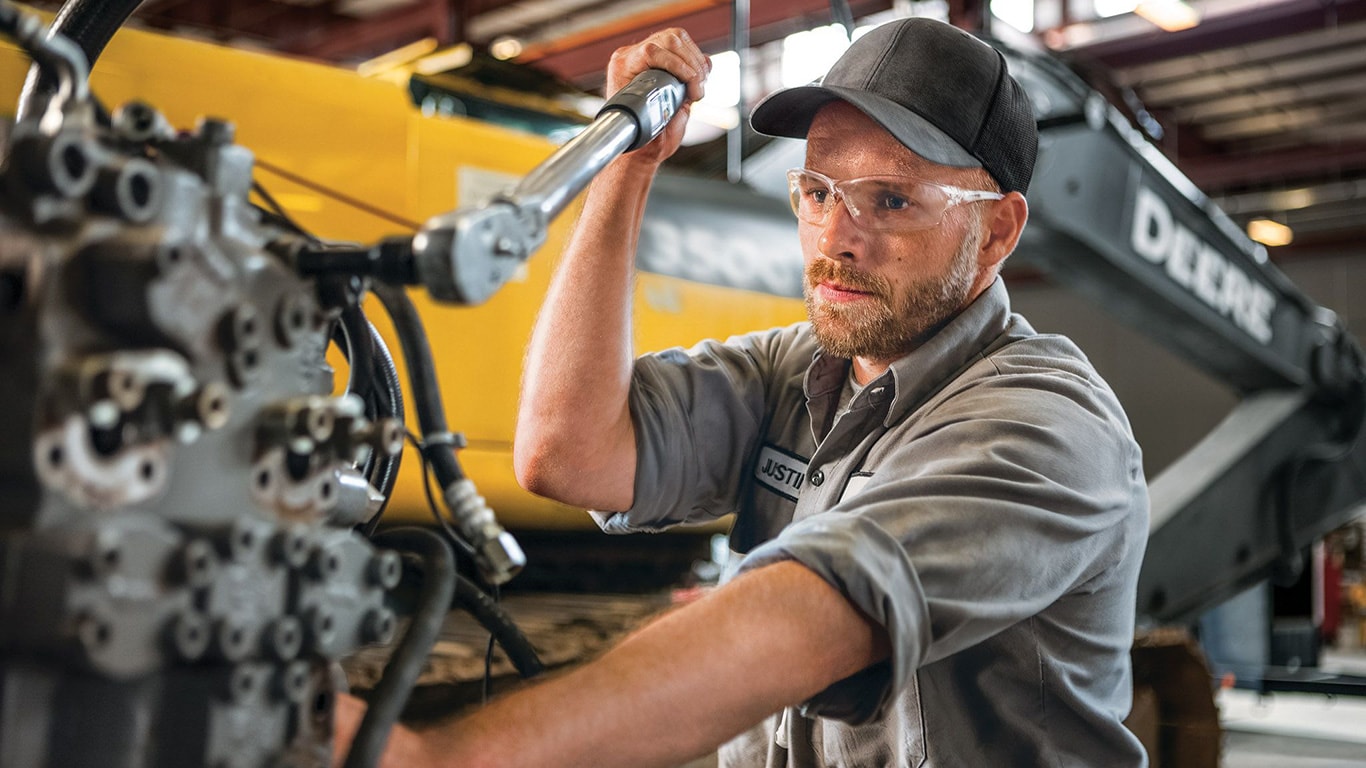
{"x": 882, "y": 326}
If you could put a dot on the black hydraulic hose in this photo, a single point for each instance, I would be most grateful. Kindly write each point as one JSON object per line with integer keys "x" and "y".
{"x": 90, "y": 24}
{"x": 417, "y": 353}
{"x": 384, "y": 475}
{"x": 387, "y": 374}
{"x": 352, "y": 335}
{"x": 404, "y": 667}
{"x": 495, "y": 619}
{"x": 360, "y": 356}
{"x": 374, "y": 379}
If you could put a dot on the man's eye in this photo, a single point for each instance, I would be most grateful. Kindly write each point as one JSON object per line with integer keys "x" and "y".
{"x": 893, "y": 202}
{"x": 817, "y": 194}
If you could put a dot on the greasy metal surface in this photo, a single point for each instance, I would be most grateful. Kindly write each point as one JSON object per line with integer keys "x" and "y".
{"x": 177, "y": 485}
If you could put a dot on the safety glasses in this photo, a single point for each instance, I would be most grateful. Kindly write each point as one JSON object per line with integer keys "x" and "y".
{"x": 877, "y": 202}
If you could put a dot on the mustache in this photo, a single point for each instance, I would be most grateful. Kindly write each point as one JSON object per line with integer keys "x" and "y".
{"x": 827, "y": 270}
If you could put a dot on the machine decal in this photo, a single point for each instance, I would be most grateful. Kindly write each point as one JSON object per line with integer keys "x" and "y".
{"x": 695, "y": 231}
{"x": 1199, "y": 268}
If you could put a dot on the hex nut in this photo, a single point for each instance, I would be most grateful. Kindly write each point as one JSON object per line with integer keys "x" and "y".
{"x": 291, "y": 546}
{"x": 242, "y": 683}
{"x": 190, "y": 636}
{"x": 285, "y": 638}
{"x": 385, "y": 569}
{"x": 324, "y": 563}
{"x": 199, "y": 564}
{"x": 232, "y": 640}
{"x": 292, "y": 681}
{"x": 322, "y": 629}
{"x": 378, "y": 626}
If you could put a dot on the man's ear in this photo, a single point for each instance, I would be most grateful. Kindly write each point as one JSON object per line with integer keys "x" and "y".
{"x": 1004, "y": 224}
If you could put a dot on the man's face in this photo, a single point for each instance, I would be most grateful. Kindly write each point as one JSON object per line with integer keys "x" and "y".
{"x": 879, "y": 294}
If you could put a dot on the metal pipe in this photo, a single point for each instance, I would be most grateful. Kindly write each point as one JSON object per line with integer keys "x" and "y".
{"x": 739, "y": 38}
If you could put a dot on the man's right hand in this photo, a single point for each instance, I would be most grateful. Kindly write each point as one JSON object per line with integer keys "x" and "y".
{"x": 673, "y": 51}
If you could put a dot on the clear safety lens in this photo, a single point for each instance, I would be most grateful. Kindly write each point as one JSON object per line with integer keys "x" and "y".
{"x": 877, "y": 202}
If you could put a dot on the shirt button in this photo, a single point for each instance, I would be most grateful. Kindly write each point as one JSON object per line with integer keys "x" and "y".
{"x": 817, "y": 478}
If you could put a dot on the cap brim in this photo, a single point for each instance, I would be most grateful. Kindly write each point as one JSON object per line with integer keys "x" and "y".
{"x": 789, "y": 113}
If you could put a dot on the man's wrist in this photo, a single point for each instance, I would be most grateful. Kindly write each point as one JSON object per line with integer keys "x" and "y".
{"x": 624, "y": 178}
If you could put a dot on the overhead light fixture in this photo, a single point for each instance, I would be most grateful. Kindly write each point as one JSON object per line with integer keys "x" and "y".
{"x": 1017, "y": 13}
{"x": 1169, "y": 15}
{"x": 386, "y": 62}
{"x": 1268, "y": 232}
{"x": 1107, "y": 8}
{"x": 445, "y": 60}
{"x": 1293, "y": 199}
{"x": 505, "y": 48}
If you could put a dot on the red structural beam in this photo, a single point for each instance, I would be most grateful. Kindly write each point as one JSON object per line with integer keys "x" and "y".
{"x": 707, "y": 21}
{"x": 347, "y": 38}
{"x": 1260, "y": 23}
{"x": 1215, "y": 173}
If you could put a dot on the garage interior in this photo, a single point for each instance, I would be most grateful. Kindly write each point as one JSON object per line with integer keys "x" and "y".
{"x": 1259, "y": 104}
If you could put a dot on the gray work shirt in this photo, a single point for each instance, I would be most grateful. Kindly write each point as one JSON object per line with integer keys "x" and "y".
{"x": 983, "y": 500}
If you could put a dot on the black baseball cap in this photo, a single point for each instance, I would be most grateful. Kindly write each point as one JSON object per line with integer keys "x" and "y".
{"x": 943, "y": 93}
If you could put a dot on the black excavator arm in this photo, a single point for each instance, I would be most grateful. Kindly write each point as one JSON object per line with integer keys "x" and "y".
{"x": 1114, "y": 220}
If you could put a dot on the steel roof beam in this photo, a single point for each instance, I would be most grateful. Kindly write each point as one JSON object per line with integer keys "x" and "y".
{"x": 1253, "y": 76}
{"x": 1182, "y": 67}
{"x": 1281, "y": 97}
{"x": 1307, "y": 118}
{"x": 709, "y": 25}
{"x": 353, "y": 38}
{"x": 1261, "y": 23}
{"x": 1215, "y": 172}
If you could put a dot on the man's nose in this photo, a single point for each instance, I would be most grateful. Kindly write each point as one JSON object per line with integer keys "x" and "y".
{"x": 841, "y": 237}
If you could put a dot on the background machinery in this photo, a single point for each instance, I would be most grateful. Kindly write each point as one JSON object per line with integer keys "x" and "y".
{"x": 184, "y": 495}
{"x": 182, "y": 480}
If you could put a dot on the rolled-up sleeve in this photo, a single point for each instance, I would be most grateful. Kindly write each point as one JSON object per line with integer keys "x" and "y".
{"x": 1005, "y": 497}
{"x": 697, "y": 415}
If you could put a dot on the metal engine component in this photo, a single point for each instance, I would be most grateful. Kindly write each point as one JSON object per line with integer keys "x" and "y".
{"x": 177, "y": 486}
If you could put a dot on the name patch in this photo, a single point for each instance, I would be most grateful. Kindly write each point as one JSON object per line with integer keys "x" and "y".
{"x": 780, "y": 472}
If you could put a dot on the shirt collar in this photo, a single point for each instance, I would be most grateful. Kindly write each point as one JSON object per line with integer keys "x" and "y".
{"x": 912, "y": 379}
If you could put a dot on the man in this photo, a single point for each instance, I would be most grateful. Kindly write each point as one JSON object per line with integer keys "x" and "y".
{"x": 950, "y": 579}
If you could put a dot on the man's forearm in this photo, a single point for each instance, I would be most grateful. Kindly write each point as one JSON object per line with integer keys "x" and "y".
{"x": 573, "y": 421}
{"x": 575, "y": 441}
{"x": 681, "y": 686}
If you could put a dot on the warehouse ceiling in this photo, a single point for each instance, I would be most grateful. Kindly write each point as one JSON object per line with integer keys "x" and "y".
{"x": 1262, "y": 103}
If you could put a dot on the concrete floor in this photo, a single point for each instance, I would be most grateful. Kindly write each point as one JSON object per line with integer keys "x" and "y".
{"x": 1244, "y": 749}
{"x": 1296, "y": 730}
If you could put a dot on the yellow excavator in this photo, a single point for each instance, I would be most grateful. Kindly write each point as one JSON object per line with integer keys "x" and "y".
{"x": 139, "y": 402}
{"x": 353, "y": 158}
